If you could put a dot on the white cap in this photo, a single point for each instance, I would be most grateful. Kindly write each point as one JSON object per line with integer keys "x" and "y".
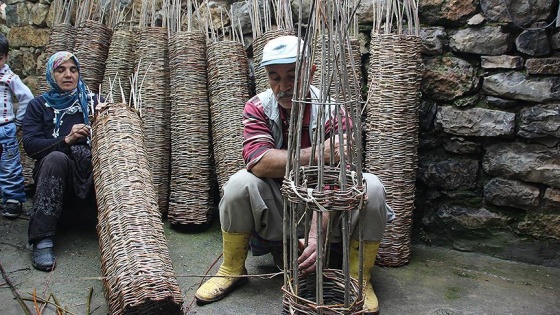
{"x": 281, "y": 50}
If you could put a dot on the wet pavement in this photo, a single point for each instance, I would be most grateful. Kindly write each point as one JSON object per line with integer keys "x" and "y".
{"x": 437, "y": 281}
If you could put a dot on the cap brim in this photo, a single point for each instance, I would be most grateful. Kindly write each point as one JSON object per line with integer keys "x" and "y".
{"x": 278, "y": 61}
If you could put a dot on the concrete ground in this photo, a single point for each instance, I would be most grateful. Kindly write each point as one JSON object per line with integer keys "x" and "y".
{"x": 437, "y": 281}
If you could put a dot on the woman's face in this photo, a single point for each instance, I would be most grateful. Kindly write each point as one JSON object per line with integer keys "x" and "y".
{"x": 66, "y": 75}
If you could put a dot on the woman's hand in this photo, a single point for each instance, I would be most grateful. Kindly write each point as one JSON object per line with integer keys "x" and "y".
{"x": 79, "y": 131}
{"x": 100, "y": 106}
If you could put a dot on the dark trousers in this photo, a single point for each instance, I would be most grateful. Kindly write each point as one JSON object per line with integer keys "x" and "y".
{"x": 55, "y": 181}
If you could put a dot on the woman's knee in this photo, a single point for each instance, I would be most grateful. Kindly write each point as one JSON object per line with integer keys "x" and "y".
{"x": 55, "y": 163}
{"x": 56, "y": 157}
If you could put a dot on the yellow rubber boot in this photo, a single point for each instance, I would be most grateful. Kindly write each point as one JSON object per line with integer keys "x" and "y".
{"x": 371, "y": 305}
{"x": 235, "y": 250}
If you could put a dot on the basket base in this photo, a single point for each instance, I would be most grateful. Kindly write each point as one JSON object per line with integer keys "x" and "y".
{"x": 334, "y": 285}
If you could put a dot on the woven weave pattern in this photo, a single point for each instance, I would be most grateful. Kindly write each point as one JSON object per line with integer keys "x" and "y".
{"x": 261, "y": 79}
{"x": 190, "y": 195}
{"x": 228, "y": 86}
{"x": 333, "y": 284}
{"x": 92, "y": 47}
{"x": 392, "y": 134}
{"x": 120, "y": 64}
{"x": 156, "y": 107}
{"x": 135, "y": 260}
{"x": 61, "y": 38}
{"x": 326, "y": 62}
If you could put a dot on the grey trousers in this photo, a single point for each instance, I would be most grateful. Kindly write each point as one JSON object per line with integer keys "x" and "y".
{"x": 253, "y": 203}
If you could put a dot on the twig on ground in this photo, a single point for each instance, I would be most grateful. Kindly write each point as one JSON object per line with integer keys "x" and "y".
{"x": 14, "y": 291}
{"x": 188, "y": 307}
{"x": 57, "y": 303}
{"x": 13, "y": 245}
{"x": 88, "y": 307}
{"x": 65, "y": 309}
{"x": 34, "y": 295}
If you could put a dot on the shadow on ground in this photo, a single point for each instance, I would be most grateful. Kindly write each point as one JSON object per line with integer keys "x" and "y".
{"x": 437, "y": 281}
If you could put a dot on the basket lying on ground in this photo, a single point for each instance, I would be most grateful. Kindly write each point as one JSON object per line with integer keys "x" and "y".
{"x": 135, "y": 259}
{"x": 392, "y": 134}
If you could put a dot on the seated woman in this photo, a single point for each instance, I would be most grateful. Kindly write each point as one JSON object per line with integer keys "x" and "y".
{"x": 56, "y": 133}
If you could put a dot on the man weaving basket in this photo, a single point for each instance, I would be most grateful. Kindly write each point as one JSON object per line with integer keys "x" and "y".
{"x": 252, "y": 202}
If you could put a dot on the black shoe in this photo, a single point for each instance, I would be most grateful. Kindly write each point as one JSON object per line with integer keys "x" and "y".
{"x": 278, "y": 256}
{"x": 12, "y": 209}
{"x": 43, "y": 259}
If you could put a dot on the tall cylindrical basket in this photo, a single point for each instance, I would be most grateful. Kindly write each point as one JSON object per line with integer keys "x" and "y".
{"x": 391, "y": 134}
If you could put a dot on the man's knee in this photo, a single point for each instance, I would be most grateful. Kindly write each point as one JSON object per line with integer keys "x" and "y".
{"x": 375, "y": 188}
{"x": 237, "y": 184}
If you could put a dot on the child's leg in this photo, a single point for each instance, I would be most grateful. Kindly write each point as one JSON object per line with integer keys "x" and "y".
{"x": 11, "y": 170}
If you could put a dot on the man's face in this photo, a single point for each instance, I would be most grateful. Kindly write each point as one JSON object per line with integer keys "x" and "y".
{"x": 3, "y": 58}
{"x": 281, "y": 79}
{"x": 66, "y": 75}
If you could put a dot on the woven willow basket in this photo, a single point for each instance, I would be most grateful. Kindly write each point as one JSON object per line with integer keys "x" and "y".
{"x": 61, "y": 38}
{"x": 334, "y": 284}
{"x": 391, "y": 134}
{"x": 325, "y": 62}
{"x": 261, "y": 79}
{"x": 153, "y": 59}
{"x": 92, "y": 47}
{"x": 190, "y": 193}
{"x": 120, "y": 64}
{"x": 135, "y": 259}
{"x": 27, "y": 164}
{"x": 331, "y": 198}
{"x": 228, "y": 87}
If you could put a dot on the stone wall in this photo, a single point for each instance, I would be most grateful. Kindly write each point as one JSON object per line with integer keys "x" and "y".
{"x": 489, "y": 166}
{"x": 489, "y": 154}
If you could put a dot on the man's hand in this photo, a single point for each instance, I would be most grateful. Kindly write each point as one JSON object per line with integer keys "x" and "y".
{"x": 79, "y": 131}
{"x": 337, "y": 145}
{"x": 307, "y": 259}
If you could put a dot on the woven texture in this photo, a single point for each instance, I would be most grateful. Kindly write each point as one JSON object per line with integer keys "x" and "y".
{"x": 326, "y": 62}
{"x": 261, "y": 79}
{"x": 153, "y": 60}
{"x": 330, "y": 199}
{"x": 190, "y": 193}
{"x": 228, "y": 86}
{"x": 392, "y": 134}
{"x": 334, "y": 285}
{"x": 27, "y": 163}
{"x": 61, "y": 38}
{"x": 135, "y": 259}
{"x": 91, "y": 48}
{"x": 120, "y": 65}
